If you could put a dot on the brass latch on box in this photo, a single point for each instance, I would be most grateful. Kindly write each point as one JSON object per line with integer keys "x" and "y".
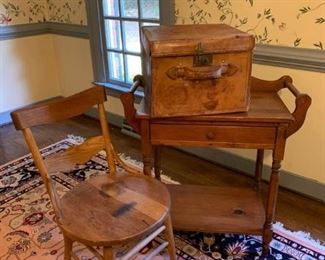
{"x": 200, "y": 59}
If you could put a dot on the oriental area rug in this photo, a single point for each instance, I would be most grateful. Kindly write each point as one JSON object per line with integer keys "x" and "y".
{"x": 28, "y": 229}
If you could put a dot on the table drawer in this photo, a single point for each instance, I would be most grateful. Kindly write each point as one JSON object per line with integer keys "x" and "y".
{"x": 224, "y": 136}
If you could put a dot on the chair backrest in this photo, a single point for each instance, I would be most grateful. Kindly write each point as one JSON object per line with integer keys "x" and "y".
{"x": 59, "y": 110}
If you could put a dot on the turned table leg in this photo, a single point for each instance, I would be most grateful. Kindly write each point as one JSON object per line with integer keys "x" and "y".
{"x": 259, "y": 167}
{"x": 270, "y": 206}
{"x": 278, "y": 153}
{"x": 146, "y": 146}
{"x": 157, "y": 161}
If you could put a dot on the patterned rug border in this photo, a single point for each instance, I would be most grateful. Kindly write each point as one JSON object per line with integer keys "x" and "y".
{"x": 301, "y": 237}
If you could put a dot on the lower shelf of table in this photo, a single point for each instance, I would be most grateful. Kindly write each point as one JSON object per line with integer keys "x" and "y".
{"x": 216, "y": 209}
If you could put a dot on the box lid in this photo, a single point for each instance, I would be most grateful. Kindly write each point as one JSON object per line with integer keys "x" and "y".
{"x": 177, "y": 40}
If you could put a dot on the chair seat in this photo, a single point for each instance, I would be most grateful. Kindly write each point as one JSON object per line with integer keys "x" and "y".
{"x": 104, "y": 211}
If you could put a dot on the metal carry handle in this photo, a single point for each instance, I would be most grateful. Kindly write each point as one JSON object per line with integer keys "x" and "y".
{"x": 202, "y": 73}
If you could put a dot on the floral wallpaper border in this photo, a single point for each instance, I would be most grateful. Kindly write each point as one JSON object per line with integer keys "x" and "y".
{"x": 289, "y": 23}
{"x": 13, "y": 12}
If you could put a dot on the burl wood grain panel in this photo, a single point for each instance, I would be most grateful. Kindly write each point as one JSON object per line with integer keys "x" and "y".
{"x": 181, "y": 97}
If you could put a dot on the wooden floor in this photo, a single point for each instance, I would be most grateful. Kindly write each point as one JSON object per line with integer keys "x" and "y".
{"x": 294, "y": 211}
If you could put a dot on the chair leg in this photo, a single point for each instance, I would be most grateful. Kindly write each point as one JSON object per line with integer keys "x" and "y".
{"x": 108, "y": 253}
{"x": 170, "y": 238}
{"x": 67, "y": 248}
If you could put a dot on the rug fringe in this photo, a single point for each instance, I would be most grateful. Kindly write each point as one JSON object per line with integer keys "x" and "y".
{"x": 76, "y": 138}
{"x": 302, "y": 235}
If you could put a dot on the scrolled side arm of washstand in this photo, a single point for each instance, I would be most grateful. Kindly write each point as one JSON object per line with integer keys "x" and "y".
{"x": 268, "y": 85}
{"x": 127, "y": 100}
{"x": 303, "y": 101}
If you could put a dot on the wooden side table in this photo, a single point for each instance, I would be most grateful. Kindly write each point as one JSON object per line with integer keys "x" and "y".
{"x": 266, "y": 125}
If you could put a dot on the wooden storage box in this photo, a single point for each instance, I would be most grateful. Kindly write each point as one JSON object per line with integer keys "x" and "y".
{"x": 196, "y": 69}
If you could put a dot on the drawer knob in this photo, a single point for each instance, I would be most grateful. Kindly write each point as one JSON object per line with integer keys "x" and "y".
{"x": 211, "y": 135}
{"x": 239, "y": 211}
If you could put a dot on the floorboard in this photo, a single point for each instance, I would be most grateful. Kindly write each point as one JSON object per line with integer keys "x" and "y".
{"x": 295, "y": 211}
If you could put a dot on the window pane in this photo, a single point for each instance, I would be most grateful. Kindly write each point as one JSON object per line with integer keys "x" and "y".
{"x": 111, "y": 8}
{"x": 131, "y": 36}
{"x": 113, "y": 34}
{"x": 133, "y": 67}
{"x": 149, "y": 9}
{"x": 129, "y": 8}
{"x": 115, "y": 64}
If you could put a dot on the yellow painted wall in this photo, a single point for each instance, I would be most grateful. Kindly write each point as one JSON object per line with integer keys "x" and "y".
{"x": 305, "y": 150}
{"x": 74, "y": 64}
{"x": 28, "y": 71}
{"x": 75, "y": 69}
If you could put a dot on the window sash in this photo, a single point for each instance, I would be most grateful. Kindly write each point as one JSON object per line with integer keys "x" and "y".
{"x": 123, "y": 20}
{"x": 99, "y": 49}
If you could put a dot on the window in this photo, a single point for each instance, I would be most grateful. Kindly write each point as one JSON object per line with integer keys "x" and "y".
{"x": 122, "y": 22}
{"x": 115, "y": 36}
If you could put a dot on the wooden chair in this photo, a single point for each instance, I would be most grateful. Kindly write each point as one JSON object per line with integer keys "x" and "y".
{"x": 105, "y": 211}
